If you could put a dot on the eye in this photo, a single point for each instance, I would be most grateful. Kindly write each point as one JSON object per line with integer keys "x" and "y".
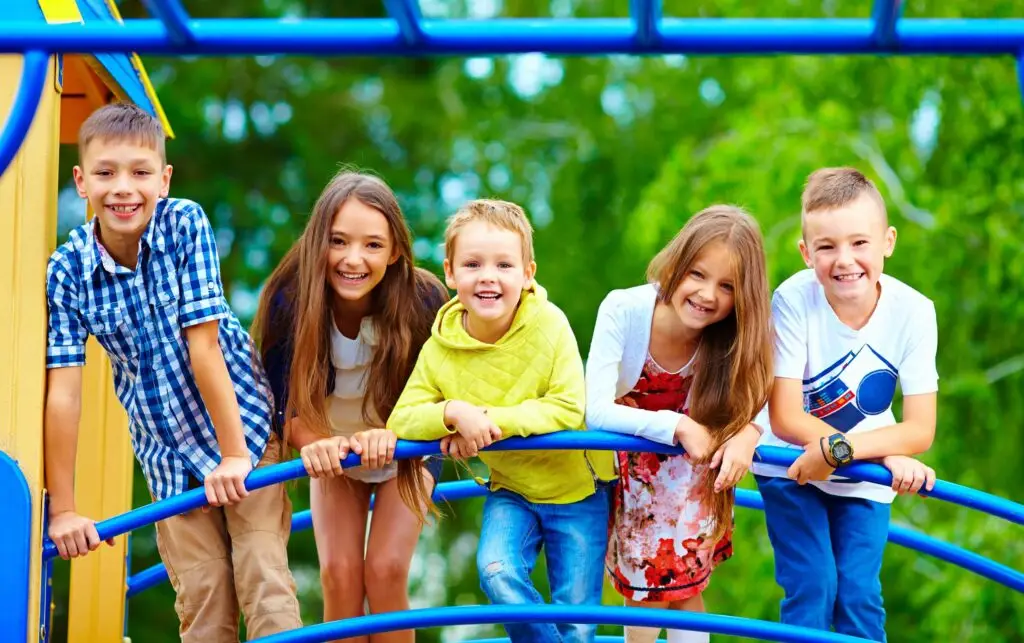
{"x": 103, "y": 173}
{"x": 860, "y": 242}
{"x": 143, "y": 172}
{"x": 825, "y": 246}
{"x": 337, "y": 241}
{"x": 376, "y": 245}
{"x": 697, "y": 274}
{"x": 727, "y": 287}
{"x": 505, "y": 265}
{"x": 471, "y": 264}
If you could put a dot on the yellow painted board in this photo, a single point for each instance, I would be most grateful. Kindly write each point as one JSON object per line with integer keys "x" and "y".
{"x": 28, "y": 201}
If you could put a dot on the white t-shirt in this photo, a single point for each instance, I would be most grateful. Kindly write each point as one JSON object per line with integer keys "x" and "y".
{"x": 849, "y": 376}
{"x": 351, "y": 360}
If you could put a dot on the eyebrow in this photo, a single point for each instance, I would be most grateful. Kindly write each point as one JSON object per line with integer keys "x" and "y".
{"x": 372, "y": 237}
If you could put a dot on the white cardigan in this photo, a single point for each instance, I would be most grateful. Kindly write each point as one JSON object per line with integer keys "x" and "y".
{"x": 618, "y": 351}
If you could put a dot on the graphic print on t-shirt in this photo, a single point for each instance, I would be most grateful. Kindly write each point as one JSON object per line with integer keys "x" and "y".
{"x": 860, "y": 384}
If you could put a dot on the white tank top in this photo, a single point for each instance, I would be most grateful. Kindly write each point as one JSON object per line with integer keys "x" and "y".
{"x": 351, "y": 361}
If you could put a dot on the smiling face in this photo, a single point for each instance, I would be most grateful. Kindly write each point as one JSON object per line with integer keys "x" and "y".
{"x": 847, "y": 248}
{"x": 123, "y": 180}
{"x": 360, "y": 250}
{"x": 488, "y": 272}
{"x": 706, "y": 294}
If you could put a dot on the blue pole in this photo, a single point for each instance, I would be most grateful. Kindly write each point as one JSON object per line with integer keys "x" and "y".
{"x": 646, "y": 15}
{"x": 579, "y": 36}
{"x": 36, "y": 64}
{"x": 591, "y": 614}
{"x": 562, "y": 440}
{"x": 452, "y": 491}
{"x": 175, "y": 20}
{"x": 407, "y": 14}
{"x": 884, "y": 15}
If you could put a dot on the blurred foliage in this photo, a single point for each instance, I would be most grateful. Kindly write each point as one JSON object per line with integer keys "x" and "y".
{"x": 610, "y": 156}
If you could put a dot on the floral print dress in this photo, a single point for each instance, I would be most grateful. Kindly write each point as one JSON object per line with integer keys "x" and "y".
{"x": 656, "y": 549}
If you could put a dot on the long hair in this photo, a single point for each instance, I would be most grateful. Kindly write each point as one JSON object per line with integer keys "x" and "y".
{"x": 734, "y": 358}
{"x": 403, "y": 307}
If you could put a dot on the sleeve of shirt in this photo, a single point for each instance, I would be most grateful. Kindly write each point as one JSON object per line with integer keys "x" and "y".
{"x": 65, "y": 335}
{"x": 202, "y": 293}
{"x": 918, "y": 374}
{"x": 419, "y": 412}
{"x": 603, "y": 365}
{"x": 561, "y": 407}
{"x": 790, "y": 323}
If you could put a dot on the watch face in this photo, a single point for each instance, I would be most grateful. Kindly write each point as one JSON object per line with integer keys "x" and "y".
{"x": 841, "y": 451}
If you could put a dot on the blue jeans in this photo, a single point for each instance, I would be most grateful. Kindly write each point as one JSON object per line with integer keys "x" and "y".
{"x": 574, "y": 537}
{"x": 828, "y": 557}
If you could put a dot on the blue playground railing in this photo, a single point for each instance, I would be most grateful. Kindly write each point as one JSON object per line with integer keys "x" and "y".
{"x": 594, "y": 440}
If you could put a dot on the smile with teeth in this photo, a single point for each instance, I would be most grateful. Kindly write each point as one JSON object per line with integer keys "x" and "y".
{"x": 353, "y": 276}
{"x": 488, "y": 296}
{"x": 700, "y": 309}
{"x": 121, "y": 209}
{"x": 849, "y": 277}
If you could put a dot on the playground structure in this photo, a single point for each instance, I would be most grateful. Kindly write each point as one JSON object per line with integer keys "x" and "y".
{"x": 74, "y": 55}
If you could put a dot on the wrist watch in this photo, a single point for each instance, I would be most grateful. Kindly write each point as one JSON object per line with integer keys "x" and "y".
{"x": 840, "y": 449}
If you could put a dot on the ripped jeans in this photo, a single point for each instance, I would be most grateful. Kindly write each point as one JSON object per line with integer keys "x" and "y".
{"x": 574, "y": 537}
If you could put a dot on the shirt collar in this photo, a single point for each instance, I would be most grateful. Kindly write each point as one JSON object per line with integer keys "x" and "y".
{"x": 96, "y": 255}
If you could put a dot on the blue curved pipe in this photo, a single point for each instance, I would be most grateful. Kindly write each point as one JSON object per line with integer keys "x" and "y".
{"x": 562, "y": 440}
{"x": 33, "y": 75}
{"x": 591, "y": 614}
{"x": 451, "y": 491}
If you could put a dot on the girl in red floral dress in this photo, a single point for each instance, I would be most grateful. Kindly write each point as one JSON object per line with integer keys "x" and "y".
{"x": 684, "y": 359}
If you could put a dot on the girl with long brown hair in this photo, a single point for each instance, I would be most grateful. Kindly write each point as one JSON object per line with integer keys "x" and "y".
{"x": 684, "y": 359}
{"x": 340, "y": 324}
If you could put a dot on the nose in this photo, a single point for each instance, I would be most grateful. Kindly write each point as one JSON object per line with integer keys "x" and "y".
{"x": 706, "y": 292}
{"x": 122, "y": 185}
{"x": 845, "y": 257}
{"x": 352, "y": 256}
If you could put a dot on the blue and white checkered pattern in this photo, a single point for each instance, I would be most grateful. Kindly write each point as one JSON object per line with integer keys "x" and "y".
{"x": 138, "y": 316}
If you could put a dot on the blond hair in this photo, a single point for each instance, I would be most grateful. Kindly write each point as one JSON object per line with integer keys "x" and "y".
{"x": 835, "y": 187}
{"x": 500, "y": 214}
{"x": 122, "y": 122}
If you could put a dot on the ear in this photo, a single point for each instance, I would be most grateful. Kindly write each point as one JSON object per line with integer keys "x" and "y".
{"x": 393, "y": 258}
{"x": 449, "y": 276}
{"x": 531, "y": 272}
{"x": 805, "y": 252}
{"x": 165, "y": 181}
{"x": 890, "y": 241}
{"x": 79, "y": 175}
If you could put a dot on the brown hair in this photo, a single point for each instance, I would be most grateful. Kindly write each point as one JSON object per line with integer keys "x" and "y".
{"x": 835, "y": 187}
{"x": 734, "y": 372}
{"x": 122, "y": 122}
{"x": 404, "y": 305}
{"x": 500, "y": 214}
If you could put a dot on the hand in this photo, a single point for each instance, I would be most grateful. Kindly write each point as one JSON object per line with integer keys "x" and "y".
{"x": 74, "y": 535}
{"x": 472, "y": 423}
{"x": 694, "y": 438}
{"x": 734, "y": 458}
{"x": 909, "y": 475}
{"x": 226, "y": 484}
{"x": 811, "y": 465}
{"x": 455, "y": 447}
{"x": 376, "y": 446}
{"x": 322, "y": 458}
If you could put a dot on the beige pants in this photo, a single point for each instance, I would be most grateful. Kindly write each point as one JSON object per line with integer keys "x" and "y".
{"x": 230, "y": 558}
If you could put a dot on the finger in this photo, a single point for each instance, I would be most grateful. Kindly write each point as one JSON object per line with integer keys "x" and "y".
{"x": 336, "y": 468}
{"x": 929, "y": 477}
{"x": 495, "y": 431}
{"x": 240, "y": 489}
{"x": 382, "y": 451}
{"x": 356, "y": 444}
{"x": 723, "y": 477}
{"x": 79, "y": 546}
{"x": 445, "y": 446}
{"x": 716, "y": 459}
{"x": 220, "y": 488}
{"x": 92, "y": 537}
{"x": 307, "y": 463}
{"x": 392, "y": 443}
{"x": 343, "y": 448}
{"x": 917, "y": 482}
{"x": 62, "y": 548}
{"x": 793, "y": 471}
{"x": 211, "y": 495}
{"x": 110, "y": 541}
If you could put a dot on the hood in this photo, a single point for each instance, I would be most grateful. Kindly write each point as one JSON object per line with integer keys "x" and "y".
{"x": 449, "y": 331}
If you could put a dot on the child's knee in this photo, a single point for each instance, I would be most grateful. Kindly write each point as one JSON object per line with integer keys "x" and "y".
{"x": 341, "y": 572}
{"x": 385, "y": 573}
{"x": 501, "y": 580}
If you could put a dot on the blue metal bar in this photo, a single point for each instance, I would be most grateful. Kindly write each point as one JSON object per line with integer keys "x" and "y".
{"x": 407, "y": 14}
{"x": 175, "y": 20}
{"x": 646, "y": 15}
{"x": 560, "y": 441}
{"x": 592, "y": 614}
{"x": 1020, "y": 71}
{"x": 452, "y": 491}
{"x": 582, "y": 36}
{"x": 597, "y": 639}
{"x": 16, "y": 543}
{"x": 33, "y": 76}
{"x": 884, "y": 15}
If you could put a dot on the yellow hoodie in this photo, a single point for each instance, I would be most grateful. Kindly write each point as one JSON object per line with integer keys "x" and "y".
{"x": 530, "y": 382}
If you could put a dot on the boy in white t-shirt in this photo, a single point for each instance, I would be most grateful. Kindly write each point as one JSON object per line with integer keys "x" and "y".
{"x": 845, "y": 333}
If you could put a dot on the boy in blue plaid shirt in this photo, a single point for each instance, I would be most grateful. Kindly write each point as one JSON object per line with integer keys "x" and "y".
{"x": 143, "y": 277}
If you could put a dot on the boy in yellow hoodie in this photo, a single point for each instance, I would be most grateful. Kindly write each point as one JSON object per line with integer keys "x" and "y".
{"x": 502, "y": 361}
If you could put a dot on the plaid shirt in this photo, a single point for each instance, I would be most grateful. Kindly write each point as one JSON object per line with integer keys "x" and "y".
{"x": 138, "y": 316}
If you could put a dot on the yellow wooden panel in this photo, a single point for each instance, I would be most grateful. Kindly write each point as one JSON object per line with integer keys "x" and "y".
{"x": 28, "y": 201}
{"x": 103, "y": 486}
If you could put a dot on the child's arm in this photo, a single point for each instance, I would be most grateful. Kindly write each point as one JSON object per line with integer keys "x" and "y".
{"x": 419, "y": 413}
{"x": 226, "y": 484}
{"x": 562, "y": 405}
{"x": 602, "y": 375}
